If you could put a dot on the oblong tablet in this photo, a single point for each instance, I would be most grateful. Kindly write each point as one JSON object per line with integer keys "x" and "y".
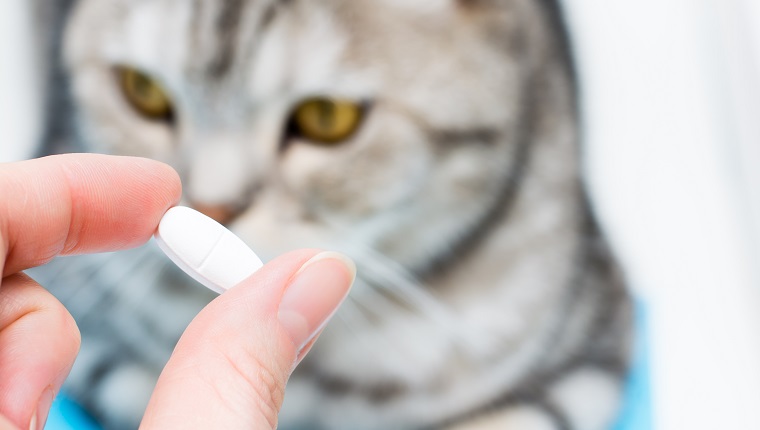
{"x": 205, "y": 249}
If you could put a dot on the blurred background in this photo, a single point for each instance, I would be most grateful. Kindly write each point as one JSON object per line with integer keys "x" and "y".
{"x": 671, "y": 99}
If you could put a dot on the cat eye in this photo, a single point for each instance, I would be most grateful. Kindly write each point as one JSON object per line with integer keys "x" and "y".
{"x": 145, "y": 94}
{"x": 326, "y": 120}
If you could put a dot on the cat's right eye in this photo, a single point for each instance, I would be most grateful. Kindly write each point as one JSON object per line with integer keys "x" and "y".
{"x": 145, "y": 94}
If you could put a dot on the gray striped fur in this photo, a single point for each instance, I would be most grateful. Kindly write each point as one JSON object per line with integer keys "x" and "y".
{"x": 487, "y": 297}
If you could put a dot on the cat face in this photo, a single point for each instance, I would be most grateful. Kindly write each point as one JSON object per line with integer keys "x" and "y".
{"x": 380, "y": 125}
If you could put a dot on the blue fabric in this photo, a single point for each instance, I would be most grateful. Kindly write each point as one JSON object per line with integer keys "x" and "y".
{"x": 67, "y": 415}
{"x": 636, "y": 414}
{"x": 637, "y": 408}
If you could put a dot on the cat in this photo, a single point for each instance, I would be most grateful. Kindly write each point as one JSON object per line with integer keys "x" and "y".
{"x": 435, "y": 142}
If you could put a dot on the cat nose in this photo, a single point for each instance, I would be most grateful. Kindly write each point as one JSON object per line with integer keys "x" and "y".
{"x": 222, "y": 214}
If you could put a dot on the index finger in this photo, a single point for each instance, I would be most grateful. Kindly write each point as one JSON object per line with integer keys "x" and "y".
{"x": 75, "y": 203}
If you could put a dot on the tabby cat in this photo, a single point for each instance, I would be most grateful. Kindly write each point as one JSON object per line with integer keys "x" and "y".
{"x": 434, "y": 141}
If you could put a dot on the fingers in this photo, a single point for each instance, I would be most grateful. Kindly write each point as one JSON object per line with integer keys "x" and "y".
{"x": 38, "y": 344}
{"x": 230, "y": 367}
{"x": 79, "y": 203}
{"x": 62, "y": 205}
{"x": 6, "y": 425}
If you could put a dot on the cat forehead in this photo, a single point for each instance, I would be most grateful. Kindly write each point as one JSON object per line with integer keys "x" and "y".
{"x": 243, "y": 52}
{"x": 201, "y": 36}
{"x": 210, "y": 36}
{"x": 212, "y": 39}
{"x": 268, "y": 43}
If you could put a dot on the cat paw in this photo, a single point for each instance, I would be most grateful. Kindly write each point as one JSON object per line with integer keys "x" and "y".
{"x": 513, "y": 418}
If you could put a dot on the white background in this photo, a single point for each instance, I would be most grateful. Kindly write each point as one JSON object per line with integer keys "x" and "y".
{"x": 672, "y": 126}
{"x": 672, "y": 102}
{"x": 19, "y": 94}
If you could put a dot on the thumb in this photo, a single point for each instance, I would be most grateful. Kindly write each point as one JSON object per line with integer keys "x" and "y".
{"x": 230, "y": 367}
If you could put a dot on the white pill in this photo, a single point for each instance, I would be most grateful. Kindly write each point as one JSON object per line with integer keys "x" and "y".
{"x": 205, "y": 249}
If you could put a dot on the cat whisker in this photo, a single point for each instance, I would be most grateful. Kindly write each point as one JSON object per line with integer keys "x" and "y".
{"x": 354, "y": 320}
{"x": 396, "y": 279}
{"x": 375, "y": 300}
{"x": 109, "y": 273}
{"x": 399, "y": 287}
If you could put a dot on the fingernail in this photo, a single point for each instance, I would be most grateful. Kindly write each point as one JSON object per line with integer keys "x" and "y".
{"x": 314, "y": 294}
{"x": 40, "y": 416}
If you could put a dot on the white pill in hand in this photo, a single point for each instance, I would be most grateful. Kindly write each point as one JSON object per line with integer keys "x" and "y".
{"x": 205, "y": 249}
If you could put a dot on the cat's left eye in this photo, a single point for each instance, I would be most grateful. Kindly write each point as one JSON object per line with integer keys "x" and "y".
{"x": 145, "y": 94}
{"x": 326, "y": 120}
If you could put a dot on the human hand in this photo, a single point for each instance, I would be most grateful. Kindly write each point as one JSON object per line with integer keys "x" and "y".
{"x": 230, "y": 366}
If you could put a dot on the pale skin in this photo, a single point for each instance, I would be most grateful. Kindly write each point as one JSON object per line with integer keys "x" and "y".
{"x": 230, "y": 367}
